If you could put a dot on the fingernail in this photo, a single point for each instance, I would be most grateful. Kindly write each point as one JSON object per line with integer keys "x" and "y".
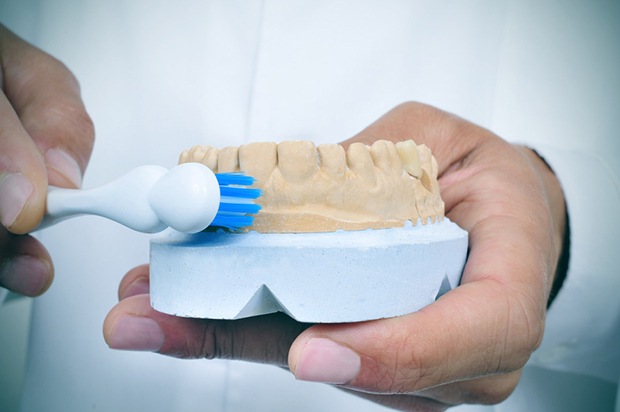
{"x": 63, "y": 163}
{"x": 15, "y": 190}
{"x": 137, "y": 333}
{"x": 323, "y": 360}
{"x": 139, "y": 287}
{"x": 25, "y": 275}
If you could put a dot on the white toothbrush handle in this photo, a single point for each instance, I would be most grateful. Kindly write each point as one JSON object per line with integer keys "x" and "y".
{"x": 124, "y": 200}
{"x": 147, "y": 199}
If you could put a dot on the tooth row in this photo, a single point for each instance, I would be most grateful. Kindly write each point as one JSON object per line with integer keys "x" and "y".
{"x": 300, "y": 160}
{"x": 363, "y": 182}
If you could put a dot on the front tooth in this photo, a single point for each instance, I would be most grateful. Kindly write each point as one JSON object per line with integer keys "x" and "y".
{"x": 258, "y": 160}
{"x": 360, "y": 162}
{"x": 210, "y": 159}
{"x": 410, "y": 158}
{"x": 228, "y": 160}
{"x": 333, "y": 160}
{"x": 298, "y": 160}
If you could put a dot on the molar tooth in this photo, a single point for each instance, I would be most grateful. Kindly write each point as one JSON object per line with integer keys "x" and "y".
{"x": 333, "y": 160}
{"x": 228, "y": 160}
{"x": 410, "y": 158}
{"x": 360, "y": 162}
{"x": 210, "y": 159}
{"x": 298, "y": 160}
{"x": 258, "y": 160}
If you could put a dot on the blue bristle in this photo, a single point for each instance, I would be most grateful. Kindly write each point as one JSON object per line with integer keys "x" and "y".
{"x": 232, "y": 221}
{"x": 235, "y": 178}
{"x": 236, "y": 201}
{"x": 239, "y": 208}
{"x": 240, "y": 192}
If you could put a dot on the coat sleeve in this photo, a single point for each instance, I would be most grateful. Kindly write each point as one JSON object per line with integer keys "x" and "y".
{"x": 582, "y": 332}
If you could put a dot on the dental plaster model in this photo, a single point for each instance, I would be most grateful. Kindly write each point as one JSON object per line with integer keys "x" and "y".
{"x": 342, "y": 237}
{"x": 322, "y": 189}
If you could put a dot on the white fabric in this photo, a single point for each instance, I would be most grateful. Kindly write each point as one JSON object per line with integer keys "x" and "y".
{"x": 161, "y": 76}
{"x": 587, "y": 306}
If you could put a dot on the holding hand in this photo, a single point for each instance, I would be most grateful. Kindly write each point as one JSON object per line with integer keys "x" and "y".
{"x": 46, "y": 137}
{"x": 467, "y": 347}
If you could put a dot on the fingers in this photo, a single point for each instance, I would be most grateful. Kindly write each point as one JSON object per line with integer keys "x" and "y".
{"x": 488, "y": 325}
{"x": 135, "y": 282}
{"x": 23, "y": 178}
{"x": 25, "y": 265}
{"x": 468, "y": 333}
{"x": 134, "y": 325}
{"x": 46, "y": 135}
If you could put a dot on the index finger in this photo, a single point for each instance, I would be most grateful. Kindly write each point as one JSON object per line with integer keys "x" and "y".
{"x": 46, "y": 133}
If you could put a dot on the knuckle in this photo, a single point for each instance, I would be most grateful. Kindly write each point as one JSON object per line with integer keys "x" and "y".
{"x": 525, "y": 329}
{"x": 51, "y": 102}
{"x": 49, "y": 64}
{"x": 413, "y": 108}
{"x": 73, "y": 113}
{"x": 410, "y": 368}
{"x": 63, "y": 117}
{"x": 530, "y": 326}
{"x": 534, "y": 338}
{"x": 411, "y": 105}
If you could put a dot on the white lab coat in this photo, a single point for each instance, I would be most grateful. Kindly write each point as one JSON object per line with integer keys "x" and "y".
{"x": 160, "y": 76}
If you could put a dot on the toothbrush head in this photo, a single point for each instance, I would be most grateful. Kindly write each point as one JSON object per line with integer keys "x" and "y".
{"x": 236, "y": 201}
{"x": 190, "y": 198}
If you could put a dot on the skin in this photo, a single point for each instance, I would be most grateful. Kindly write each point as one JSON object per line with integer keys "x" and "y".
{"x": 40, "y": 109}
{"x": 467, "y": 347}
{"x": 470, "y": 345}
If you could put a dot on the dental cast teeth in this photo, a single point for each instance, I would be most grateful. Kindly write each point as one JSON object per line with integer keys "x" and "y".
{"x": 320, "y": 189}
{"x": 408, "y": 152}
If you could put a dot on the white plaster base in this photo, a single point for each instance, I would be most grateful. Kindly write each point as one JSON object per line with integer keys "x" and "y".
{"x": 344, "y": 276}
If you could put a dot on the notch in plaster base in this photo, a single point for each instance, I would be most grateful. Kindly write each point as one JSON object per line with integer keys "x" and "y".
{"x": 261, "y": 303}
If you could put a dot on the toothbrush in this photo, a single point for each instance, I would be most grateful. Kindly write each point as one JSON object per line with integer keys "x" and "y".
{"x": 188, "y": 198}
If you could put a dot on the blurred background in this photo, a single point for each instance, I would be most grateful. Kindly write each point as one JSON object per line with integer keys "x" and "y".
{"x": 568, "y": 51}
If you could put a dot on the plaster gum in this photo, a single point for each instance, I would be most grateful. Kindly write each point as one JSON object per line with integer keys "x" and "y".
{"x": 323, "y": 189}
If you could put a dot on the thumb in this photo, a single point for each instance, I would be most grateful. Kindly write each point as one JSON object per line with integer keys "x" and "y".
{"x": 404, "y": 354}
{"x": 485, "y": 326}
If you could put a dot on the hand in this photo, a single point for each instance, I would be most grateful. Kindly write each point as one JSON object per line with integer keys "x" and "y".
{"x": 45, "y": 137}
{"x": 467, "y": 347}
